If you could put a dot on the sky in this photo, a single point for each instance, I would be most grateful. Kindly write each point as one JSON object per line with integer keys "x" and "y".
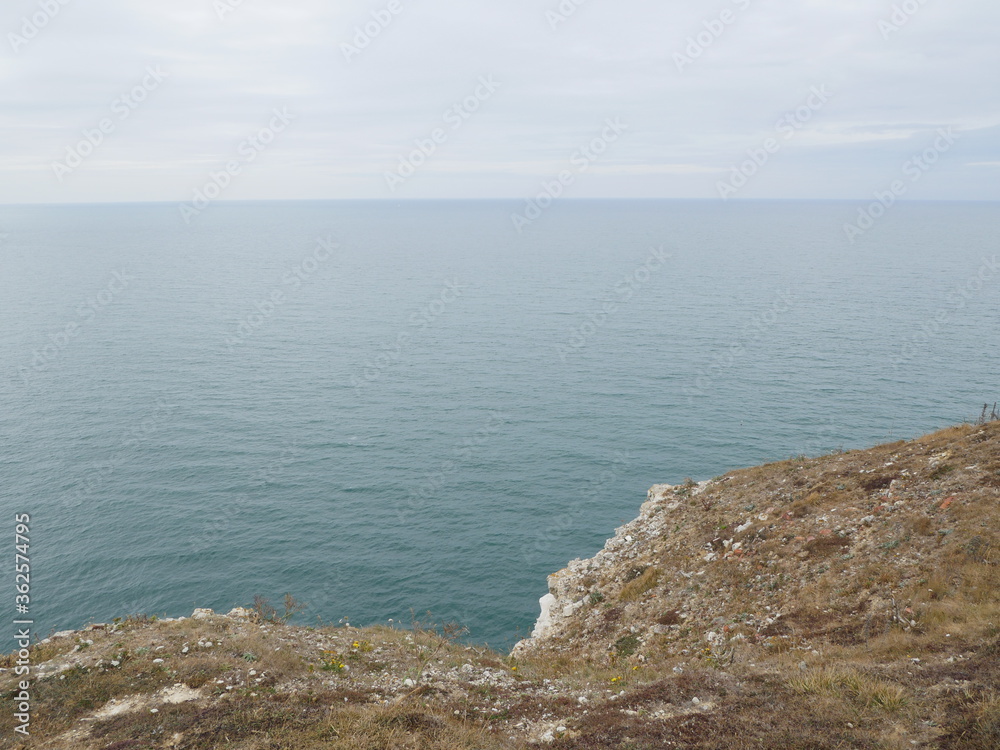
{"x": 107, "y": 100}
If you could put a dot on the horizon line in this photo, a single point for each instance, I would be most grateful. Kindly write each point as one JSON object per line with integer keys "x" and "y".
{"x": 492, "y": 200}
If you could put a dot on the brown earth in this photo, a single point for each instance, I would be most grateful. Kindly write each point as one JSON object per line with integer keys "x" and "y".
{"x": 847, "y": 601}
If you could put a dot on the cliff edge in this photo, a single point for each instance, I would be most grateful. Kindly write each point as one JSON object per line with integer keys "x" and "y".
{"x": 834, "y": 550}
{"x": 846, "y": 601}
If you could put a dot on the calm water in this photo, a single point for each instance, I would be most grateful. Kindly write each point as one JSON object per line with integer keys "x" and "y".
{"x": 438, "y": 412}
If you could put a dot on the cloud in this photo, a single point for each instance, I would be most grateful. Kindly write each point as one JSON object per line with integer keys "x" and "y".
{"x": 751, "y": 62}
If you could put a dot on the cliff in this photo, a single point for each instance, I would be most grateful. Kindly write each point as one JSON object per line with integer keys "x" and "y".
{"x": 847, "y": 601}
{"x": 838, "y": 549}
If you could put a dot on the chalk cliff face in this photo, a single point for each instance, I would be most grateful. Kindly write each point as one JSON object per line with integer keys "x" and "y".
{"x": 570, "y": 589}
{"x": 794, "y": 552}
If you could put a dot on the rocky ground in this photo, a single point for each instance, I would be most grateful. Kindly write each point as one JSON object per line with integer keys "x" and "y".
{"x": 847, "y": 601}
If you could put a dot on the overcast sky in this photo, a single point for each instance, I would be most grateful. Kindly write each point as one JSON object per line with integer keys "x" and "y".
{"x": 688, "y": 109}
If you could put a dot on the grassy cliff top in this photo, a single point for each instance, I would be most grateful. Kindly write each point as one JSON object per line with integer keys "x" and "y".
{"x": 847, "y": 601}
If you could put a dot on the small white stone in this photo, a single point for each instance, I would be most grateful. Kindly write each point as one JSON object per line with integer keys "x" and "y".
{"x": 157, "y": 661}
{"x": 154, "y": 710}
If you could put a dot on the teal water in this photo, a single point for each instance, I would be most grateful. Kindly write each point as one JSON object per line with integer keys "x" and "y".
{"x": 438, "y": 412}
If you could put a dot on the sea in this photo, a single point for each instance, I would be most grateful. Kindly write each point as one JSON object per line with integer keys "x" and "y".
{"x": 416, "y": 411}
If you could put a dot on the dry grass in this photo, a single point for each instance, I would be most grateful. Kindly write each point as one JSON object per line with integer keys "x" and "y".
{"x": 861, "y": 689}
{"x": 888, "y": 635}
{"x": 978, "y": 727}
{"x": 303, "y": 723}
{"x": 912, "y": 588}
{"x": 633, "y": 590}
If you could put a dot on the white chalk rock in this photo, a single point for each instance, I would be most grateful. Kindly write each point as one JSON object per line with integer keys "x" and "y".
{"x": 544, "y": 621}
